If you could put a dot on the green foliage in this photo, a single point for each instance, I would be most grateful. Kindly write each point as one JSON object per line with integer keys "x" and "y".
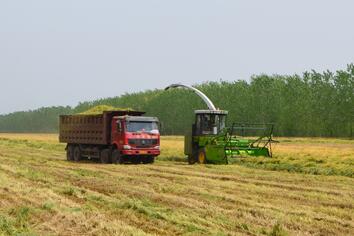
{"x": 48, "y": 206}
{"x": 96, "y": 110}
{"x": 69, "y": 191}
{"x": 277, "y": 230}
{"x": 32, "y": 144}
{"x": 6, "y": 226}
{"x": 305, "y": 165}
{"x": 314, "y": 104}
{"x": 22, "y": 217}
{"x": 17, "y": 223}
{"x": 43, "y": 120}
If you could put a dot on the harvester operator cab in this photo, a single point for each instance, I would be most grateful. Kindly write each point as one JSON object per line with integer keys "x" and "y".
{"x": 209, "y": 122}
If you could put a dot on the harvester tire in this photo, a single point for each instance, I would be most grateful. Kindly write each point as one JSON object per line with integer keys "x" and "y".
{"x": 193, "y": 158}
{"x": 117, "y": 157}
{"x": 202, "y": 156}
{"x": 77, "y": 154}
{"x": 105, "y": 156}
{"x": 70, "y": 153}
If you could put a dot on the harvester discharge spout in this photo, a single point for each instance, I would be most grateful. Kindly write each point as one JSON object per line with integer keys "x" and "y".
{"x": 208, "y": 102}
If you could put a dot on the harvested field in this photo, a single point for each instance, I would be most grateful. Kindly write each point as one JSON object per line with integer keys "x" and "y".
{"x": 306, "y": 189}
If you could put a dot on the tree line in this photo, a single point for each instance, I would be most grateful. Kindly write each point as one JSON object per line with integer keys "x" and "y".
{"x": 312, "y": 104}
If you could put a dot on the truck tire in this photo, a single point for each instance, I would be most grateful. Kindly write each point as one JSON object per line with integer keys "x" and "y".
{"x": 105, "y": 156}
{"x": 70, "y": 153}
{"x": 152, "y": 160}
{"x": 148, "y": 159}
{"x": 202, "y": 158}
{"x": 77, "y": 154}
{"x": 117, "y": 157}
{"x": 136, "y": 160}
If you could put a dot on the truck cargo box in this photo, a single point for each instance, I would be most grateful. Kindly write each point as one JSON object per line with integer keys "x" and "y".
{"x": 89, "y": 129}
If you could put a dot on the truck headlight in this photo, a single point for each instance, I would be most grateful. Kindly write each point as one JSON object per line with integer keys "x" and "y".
{"x": 157, "y": 147}
{"x": 127, "y": 147}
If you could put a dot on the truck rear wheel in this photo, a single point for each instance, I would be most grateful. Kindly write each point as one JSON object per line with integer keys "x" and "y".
{"x": 105, "y": 156}
{"x": 70, "y": 153}
{"x": 117, "y": 157}
{"x": 77, "y": 154}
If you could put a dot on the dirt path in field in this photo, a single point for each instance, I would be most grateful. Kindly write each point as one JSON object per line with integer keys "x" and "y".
{"x": 41, "y": 193}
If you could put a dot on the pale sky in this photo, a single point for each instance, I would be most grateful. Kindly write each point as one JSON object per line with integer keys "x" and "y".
{"x": 66, "y": 51}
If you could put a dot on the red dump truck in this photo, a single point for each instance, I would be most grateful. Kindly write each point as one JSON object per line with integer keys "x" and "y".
{"x": 112, "y": 137}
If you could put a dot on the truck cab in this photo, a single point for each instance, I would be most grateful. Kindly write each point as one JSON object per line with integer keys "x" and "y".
{"x": 136, "y": 137}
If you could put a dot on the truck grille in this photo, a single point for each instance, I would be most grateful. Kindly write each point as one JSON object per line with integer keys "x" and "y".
{"x": 142, "y": 143}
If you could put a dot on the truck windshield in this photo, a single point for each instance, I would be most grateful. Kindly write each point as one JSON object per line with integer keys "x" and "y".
{"x": 150, "y": 127}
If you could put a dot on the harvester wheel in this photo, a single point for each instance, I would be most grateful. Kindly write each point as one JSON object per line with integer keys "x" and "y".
{"x": 201, "y": 156}
{"x": 70, "y": 153}
{"x": 193, "y": 158}
{"x": 117, "y": 157}
{"x": 77, "y": 154}
{"x": 105, "y": 156}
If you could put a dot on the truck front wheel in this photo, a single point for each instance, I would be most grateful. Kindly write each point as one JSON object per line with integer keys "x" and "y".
{"x": 70, "y": 153}
{"x": 77, "y": 154}
{"x": 105, "y": 156}
{"x": 148, "y": 159}
{"x": 117, "y": 157}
